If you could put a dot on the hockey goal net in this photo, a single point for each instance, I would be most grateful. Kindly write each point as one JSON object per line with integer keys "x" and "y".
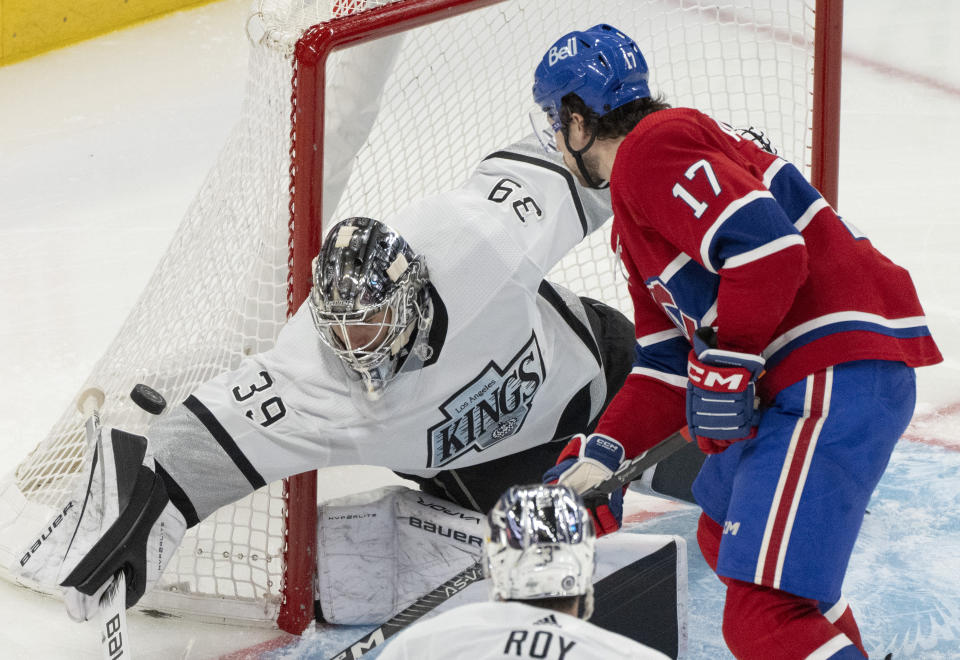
{"x": 410, "y": 95}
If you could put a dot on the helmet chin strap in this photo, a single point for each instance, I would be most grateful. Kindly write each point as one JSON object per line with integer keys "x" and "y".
{"x": 578, "y": 156}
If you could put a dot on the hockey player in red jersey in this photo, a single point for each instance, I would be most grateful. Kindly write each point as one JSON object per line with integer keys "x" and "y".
{"x": 768, "y": 324}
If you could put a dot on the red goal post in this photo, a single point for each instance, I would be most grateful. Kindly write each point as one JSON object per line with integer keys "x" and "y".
{"x": 308, "y": 129}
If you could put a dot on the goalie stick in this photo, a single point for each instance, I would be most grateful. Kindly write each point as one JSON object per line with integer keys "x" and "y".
{"x": 113, "y": 603}
{"x": 627, "y": 472}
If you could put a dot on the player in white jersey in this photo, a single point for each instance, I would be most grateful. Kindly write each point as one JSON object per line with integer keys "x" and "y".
{"x": 539, "y": 558}
{"x": 431, "y": 344}
{"x": 484, "y": 359}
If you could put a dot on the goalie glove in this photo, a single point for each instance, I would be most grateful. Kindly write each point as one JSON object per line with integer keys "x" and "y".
{"x": 584, "y": 463}
{"x": 721, "y": 393}
{"x": 124, "y": 521}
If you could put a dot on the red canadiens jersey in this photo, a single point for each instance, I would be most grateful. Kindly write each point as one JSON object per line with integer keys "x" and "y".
{"x": 714, "y": 231}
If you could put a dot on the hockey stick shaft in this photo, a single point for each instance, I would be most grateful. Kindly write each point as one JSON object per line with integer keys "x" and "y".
{"x": 420, "y": 607}
{"x": 113, "y": 602}
{"x": 632, "y": 469}
{"x": 626, "y": 473}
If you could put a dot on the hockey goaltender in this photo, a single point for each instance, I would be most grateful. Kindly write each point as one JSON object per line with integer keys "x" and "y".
{"x": 431, "y": 344}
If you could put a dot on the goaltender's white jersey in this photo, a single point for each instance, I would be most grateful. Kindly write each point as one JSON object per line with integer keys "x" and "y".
{"x": 490, "y": 631}
{"x": 510, "y": 351}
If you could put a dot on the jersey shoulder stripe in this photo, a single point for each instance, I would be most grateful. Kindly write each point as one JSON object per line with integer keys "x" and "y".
{"x": 744, "y": 210}
{"x": 792, "y": 191}
{"x": 765, "y": 250}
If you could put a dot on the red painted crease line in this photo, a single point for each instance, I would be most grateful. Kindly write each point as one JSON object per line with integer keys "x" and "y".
{"x": 906, "y": 75}
{"x": 917, "y": 432}
{"x": 256, "y": 652}
{"x": 642, "y": 516}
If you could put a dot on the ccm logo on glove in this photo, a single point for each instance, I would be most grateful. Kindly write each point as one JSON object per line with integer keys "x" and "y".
{"x": 607, "y": 444}
{"x": 717, "y": 378}
{"x": 721, "y": 387}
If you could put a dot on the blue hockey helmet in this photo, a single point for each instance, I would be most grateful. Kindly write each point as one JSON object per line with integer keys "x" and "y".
{"x": 601, "y": 64}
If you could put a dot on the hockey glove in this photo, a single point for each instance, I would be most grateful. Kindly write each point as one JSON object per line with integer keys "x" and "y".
{"x": 124, "y": 521}
{"x": 584, "y": 463}
{"x": 721, "y": 393}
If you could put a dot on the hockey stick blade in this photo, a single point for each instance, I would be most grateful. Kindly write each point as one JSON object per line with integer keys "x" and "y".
{"x": 113, "y": 620}
{"x": 625, "y": 474}
{"x": 113, "y": 601}
{"x": 89, "y": 404}
{"x": 90, "y": 401}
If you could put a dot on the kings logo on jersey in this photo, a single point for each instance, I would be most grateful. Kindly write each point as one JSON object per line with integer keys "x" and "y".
{"x": 491, "y": 407}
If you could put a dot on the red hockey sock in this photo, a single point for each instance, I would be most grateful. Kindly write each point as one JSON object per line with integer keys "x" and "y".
{"x": 841, "y": 616}
{"x": 768, "y": 624}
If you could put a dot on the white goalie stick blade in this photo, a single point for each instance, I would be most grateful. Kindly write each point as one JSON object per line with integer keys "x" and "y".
{"x": 113, "y": 602}
{"x": 626, "y": 473}
{"x": 113, "y": 620}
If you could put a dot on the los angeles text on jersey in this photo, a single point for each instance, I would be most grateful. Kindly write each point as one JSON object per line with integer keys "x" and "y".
{"x": 491, "y": 407}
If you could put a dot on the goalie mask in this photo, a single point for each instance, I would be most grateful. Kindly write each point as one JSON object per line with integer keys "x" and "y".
{"x": 369, "y": 300}
{"x": 540, "y": 546}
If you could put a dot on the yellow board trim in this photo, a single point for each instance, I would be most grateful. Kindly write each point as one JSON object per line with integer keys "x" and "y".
{"x": 31, "y": 27}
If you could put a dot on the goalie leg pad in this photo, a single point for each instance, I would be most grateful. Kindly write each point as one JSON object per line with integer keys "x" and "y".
{"x": 380, "y": 550}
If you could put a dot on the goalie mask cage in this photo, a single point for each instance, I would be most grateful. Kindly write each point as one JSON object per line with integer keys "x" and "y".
{"x": 410, "y": 95}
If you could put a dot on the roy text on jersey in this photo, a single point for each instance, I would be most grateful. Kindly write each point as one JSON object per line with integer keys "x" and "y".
{"x": 488, "y": 409}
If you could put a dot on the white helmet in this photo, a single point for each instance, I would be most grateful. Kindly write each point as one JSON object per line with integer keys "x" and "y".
{"x": 540, "y": 545}
{"x": 367, "y": 281}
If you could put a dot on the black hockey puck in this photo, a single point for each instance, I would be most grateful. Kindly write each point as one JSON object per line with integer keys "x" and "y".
{"x": 148, "y": 398}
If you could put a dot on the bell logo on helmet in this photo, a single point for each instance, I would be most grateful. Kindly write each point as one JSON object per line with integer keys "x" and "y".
{"x": 556, "y": 54}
